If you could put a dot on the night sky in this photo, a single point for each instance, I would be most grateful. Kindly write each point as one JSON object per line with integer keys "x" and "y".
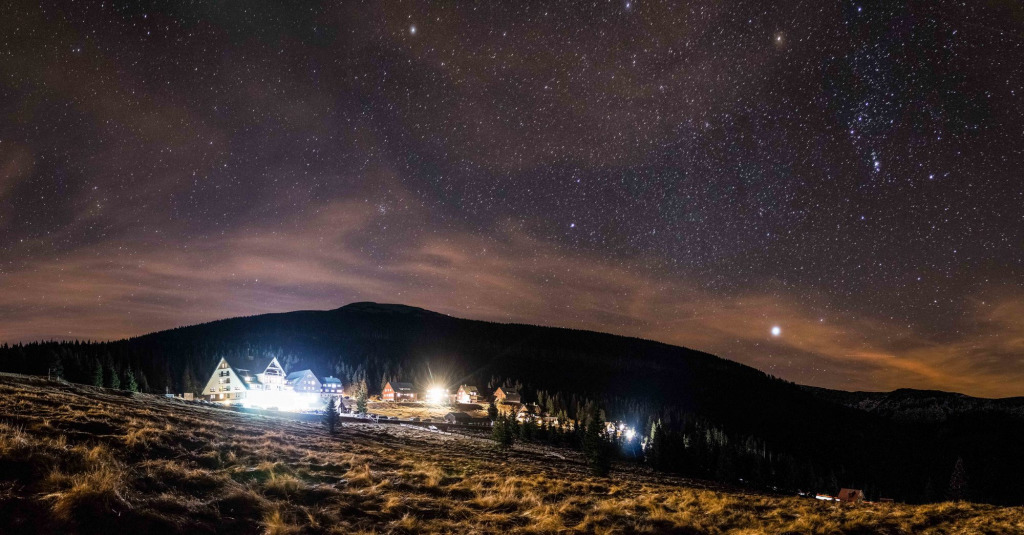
{"x": 697, "y": 173}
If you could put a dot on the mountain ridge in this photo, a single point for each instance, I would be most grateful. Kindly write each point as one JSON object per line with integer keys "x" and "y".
{"x": 801, "y": 434}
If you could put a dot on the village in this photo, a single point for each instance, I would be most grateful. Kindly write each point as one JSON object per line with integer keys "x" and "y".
{"x": 265, "y": 384}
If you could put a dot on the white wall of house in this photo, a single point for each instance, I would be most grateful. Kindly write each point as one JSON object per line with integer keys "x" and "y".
{"x": 225, "y": 385}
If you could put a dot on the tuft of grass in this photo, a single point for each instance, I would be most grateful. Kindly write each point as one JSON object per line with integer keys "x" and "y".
{"x": 276, "y": 523}
{"x": 284, "y": 485}
{"x": 90, "y": 497}
{"x": 360, "y": 476}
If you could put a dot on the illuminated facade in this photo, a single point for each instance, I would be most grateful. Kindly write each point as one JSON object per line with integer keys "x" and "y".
{"x": 330, "y": 387}
{"x": 263, "y": 384}
{"x": 503, "y": 395}
{"x": 467, "y": 394}
{"x": 395, "y": 391}
{"x": 303, "y": 382}
{"x": 228, "y": 384}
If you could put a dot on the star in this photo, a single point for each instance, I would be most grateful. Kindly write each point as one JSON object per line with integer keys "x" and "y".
{"x": 776, "y": 330}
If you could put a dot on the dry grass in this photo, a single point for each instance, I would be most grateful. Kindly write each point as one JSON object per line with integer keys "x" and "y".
{"x": 423, "y": 410}
{"x": 76, "y": 459}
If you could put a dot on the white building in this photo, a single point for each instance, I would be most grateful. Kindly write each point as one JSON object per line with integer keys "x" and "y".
{"x": 331, "y": 387}
{"x": 303, "y": 382}
{"x": 262, "y": 383}
{"x": 467, "y": 394}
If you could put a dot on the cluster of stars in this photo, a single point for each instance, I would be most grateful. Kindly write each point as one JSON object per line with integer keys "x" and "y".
{"x": 867, "y": 156}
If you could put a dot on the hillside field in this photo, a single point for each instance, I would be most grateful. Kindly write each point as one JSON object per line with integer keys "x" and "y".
{"x": 79, "y": 459}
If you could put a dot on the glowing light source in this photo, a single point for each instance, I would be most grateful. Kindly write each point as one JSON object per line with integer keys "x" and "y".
{"x": 283, "y": 400}
{"x": 437, "y": 395}
{"x": 776, "y": 330}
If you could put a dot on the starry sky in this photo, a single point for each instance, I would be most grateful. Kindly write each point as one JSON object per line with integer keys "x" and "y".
{"x": 828, "y": 191}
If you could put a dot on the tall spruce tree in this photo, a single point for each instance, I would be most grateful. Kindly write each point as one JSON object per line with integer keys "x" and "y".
{"x": 331, "y": 416}
{"x": 97, "y": 373}
{"x": 958, "y": 481}
{"x": 503, "y": 433}
{"x": 188, "y": 381}
{"x": 492, "y": 411}
{"x": 55, "y": 365}
{"x": 130, "y": 384}
{"x": 113, "y": 381}
{"x": 596, "y": 448}
{"x": 361, "y": 398}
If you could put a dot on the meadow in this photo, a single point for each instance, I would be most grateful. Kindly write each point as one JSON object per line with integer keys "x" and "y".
{"x": 80, "y": 459}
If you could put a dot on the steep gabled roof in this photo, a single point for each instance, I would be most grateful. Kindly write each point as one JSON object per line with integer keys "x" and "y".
{"x": 299, "y": 374}
{"x": 330, "y": 380}
{"x": 400, "y": 387}
{"x": 247, "y": 376}
{"x": 242, "y": 373}
{"x": 469, "y": 388}
{"x": 256, "y": 364}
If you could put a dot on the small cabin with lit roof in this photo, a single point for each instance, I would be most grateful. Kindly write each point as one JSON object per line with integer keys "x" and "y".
{"x": 396, "y": 391}
{"x": 505, "y": 395}
{"x": 303, "y": 382}
{"x": 467, "y": 394}
{"x": 330, "y": 387}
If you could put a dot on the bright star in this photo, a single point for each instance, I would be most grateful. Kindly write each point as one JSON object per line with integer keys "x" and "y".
{"x": 776, "y": 331}
{"x": 412, "y": 29}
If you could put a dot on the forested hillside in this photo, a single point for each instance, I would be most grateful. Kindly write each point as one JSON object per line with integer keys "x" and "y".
{"x": 717, "y": 419}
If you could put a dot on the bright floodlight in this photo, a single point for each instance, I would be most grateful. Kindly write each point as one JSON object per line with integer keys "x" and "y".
{"x": 437, "y": 395}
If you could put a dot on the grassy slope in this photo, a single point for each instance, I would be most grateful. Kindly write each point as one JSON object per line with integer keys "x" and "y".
{"x": 82, "y": 459}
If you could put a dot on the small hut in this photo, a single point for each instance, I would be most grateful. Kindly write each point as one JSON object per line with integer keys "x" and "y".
{"x": 851, "y": 495}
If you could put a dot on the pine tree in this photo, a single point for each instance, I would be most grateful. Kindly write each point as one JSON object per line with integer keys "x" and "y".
{"x": 958, "y": 481}
{"x": 331, "y": 416}
{"x": 113, "y": 381}
{"x": 361, "y": 397}
{"x": 188, "y": 381}
{"x": 656, "y": 446}
{"x": 503, "y": 433}
{"x": 97, "y": 373}
{"x": 596, "y": 448}
{"x": 55, "y": 366}
{"x": 129, "y": 381}
{"x": 492, "y": 411}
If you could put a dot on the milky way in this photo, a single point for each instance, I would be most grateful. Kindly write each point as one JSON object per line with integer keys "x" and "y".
{"x": 693, "y": 172}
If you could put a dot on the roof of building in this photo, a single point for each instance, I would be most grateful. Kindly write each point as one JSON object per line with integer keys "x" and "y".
{"x": 299, "y": 374}
{"x": 469, "y": 388}
{"x": 851, "y": 495}
{"x": 255, "y": 364}
{"x": 247, "y": 377}
{"x": 396, "y": 386}
{"x": 458, "y": 416}
{"x": 330, "y": 380}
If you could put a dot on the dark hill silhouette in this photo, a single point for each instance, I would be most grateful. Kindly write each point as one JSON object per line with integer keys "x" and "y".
{"x": 831, "y": 438}
{"x": 911, "y": 405}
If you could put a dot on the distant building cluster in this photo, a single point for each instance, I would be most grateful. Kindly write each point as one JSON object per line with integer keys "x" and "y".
{"x": 263, "y": 383}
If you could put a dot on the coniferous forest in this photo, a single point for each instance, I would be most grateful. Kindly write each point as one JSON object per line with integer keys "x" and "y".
{"x": 696, "y": 415}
